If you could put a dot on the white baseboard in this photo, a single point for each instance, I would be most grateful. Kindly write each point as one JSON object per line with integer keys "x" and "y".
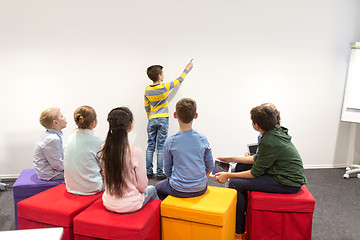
{"x": 9, "y": 176}
{"x": 325, "y": 166}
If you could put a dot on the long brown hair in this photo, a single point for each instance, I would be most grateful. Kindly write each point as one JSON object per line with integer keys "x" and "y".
{"x": 115, "y": 148}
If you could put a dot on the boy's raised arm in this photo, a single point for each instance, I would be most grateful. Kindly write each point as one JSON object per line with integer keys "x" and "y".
{"x": 189, "y": 66}
{"x": 179, "y": 80}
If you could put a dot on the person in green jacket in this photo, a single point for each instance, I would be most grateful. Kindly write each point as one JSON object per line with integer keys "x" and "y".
{"x": 277, "y": 167}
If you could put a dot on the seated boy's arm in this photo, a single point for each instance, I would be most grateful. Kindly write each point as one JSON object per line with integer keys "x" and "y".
{"x": 265, "y": 158}
{"x": 168, "y": 160}
{"x": 246, "y": 159}
{"x": 223, "y": 177}
{"x": 54, "y": 154}
{"x": 209, "y": 161}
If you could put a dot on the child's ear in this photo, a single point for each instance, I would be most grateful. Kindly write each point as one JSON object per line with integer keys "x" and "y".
{"x": 175, "y": 115}
{"x": 196, "y": 116}
{"x": 130, "y": 127}
{"x": 94, "y": 123}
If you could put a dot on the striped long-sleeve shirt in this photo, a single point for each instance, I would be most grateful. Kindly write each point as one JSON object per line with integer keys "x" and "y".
{"x": 156, "y": 97}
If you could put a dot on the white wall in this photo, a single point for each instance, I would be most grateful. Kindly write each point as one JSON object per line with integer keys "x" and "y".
{"x": 71, "y": 53}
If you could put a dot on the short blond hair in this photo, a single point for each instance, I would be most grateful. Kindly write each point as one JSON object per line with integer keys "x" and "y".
{"x": 48, "y": 116}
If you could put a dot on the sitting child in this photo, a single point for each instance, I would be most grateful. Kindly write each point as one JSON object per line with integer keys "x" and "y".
{"x": 123, "y": 167}
{"x": 82, "y": 167}
{"x": 277, "y": 167}
{"x": 48, "y": 155}
{"x": 188, "y": 158}
{"x": 245, "y": 163}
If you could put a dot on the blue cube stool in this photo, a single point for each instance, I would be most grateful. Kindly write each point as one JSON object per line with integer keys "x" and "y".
{"x": 28, "y": 184}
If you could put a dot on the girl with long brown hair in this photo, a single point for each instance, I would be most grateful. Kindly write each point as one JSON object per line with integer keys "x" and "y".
{"x": 123, "y": 166}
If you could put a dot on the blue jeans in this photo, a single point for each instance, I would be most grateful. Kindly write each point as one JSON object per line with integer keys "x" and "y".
{"x": 157, "y": 130}
{"x": 164, "y": 189}
{"x": 150, "y": 193}
{"x": 265, "y": 183}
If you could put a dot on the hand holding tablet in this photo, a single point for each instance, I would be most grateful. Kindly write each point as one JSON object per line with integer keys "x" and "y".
{"x": 220, "y": 166}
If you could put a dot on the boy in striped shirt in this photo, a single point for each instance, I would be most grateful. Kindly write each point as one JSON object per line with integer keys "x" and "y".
{"x": 156, "y": 107}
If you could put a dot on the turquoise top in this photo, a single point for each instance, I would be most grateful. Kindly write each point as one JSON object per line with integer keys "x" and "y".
{"x": 82, "y": 168}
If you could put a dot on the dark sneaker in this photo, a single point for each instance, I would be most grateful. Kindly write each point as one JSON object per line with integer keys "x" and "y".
{"x": 161, "y": 177}
{"x": 242, "y": 236}
{"x": 150, "y": 175}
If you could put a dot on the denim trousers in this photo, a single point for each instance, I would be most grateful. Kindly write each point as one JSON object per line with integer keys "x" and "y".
{"x": 164, "y": 189}
{"x": 150, "y": 193}
{"x": 157, "y": 130}
{"x": 265, "y": 183}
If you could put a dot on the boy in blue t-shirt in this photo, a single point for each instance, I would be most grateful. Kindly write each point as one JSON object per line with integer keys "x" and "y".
{"x": 188, "y": 158}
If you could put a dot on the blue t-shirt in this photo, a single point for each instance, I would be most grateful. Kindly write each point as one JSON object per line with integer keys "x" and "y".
{"x": 187, "y": 160}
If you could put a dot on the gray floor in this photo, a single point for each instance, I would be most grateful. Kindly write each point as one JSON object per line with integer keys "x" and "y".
{"x": 336, "y": 213}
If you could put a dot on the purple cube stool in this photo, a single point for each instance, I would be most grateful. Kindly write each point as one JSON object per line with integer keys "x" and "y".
{"x": 28, "y": 184}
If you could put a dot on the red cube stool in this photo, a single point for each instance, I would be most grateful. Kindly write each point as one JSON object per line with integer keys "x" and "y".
{"x": 280, "y": 216}
{"x": 53, "y": 208}
{"x": 96, "y": 222}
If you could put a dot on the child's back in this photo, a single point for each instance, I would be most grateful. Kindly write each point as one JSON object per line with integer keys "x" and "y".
{"x": 82, "y": 167}
{"x": 126, "y": 184}
{"x": 48, "y": 154}
{"x": 82, "y": 170}
{"x": 191, "y": 161}
{"x": 188, "y": 158}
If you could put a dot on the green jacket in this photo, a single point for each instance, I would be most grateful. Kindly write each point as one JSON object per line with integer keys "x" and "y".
{"x": 278, "y": 157}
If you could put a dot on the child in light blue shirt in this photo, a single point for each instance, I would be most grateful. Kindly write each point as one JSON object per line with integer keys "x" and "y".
{"x": 188, "y": 158}
{"x": 48, "y": 154}
{"x": 82, "y": 166}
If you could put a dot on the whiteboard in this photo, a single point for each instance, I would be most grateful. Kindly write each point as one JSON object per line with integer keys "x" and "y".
{"x": 351, "y": 104}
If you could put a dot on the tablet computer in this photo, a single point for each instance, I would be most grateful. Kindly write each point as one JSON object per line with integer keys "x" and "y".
{"x": 220, "y": 166}
{"x": 252, "y": 148}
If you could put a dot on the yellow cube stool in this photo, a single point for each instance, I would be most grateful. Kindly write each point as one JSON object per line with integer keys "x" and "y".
{"x": 210, "y": 216}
